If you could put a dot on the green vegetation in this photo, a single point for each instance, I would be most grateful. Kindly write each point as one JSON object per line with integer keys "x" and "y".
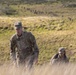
{"x": 57, "y": 9}
{"x": 50, "y": 32}
{"x": 52, "y": 23}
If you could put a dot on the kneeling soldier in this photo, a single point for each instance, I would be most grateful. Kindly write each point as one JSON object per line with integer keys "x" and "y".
{"x": 60, "y": 57}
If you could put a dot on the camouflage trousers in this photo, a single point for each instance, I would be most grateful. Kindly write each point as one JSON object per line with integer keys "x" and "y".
{"x": 25, "y": 62}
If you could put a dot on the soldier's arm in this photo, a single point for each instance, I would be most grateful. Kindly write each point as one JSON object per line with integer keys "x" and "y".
{"x": 34, "y": 45}
{"x": 12, "y": 49}
{"x": 54, "y": 59}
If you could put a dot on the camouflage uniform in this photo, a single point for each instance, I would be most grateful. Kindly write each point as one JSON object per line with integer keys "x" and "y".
{"x": 57, "y": 59}
{"x": 24, "y": 48}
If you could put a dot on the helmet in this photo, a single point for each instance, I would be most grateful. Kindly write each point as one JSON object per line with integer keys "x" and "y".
{"x": 61, "y": 50}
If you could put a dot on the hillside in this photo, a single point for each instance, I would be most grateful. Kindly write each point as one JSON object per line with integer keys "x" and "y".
{"x": 52, "y": 22}
{"x": 50, "y": 32}
{"x": 21, "y": 8}
{"x": 32, "y": 1}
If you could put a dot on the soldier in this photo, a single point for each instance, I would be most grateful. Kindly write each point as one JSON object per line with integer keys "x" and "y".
{"x": 23, "y": 47}
{"x": 60, "y": 57}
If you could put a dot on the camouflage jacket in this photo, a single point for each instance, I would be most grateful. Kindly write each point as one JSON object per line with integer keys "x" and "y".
{"x": 57, "y": 59}
{"x": 23, "y": 46}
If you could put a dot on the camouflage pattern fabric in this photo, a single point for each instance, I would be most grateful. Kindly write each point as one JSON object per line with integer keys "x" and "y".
{"x": 23, "y": 48}
{"x": 56, "y": 59}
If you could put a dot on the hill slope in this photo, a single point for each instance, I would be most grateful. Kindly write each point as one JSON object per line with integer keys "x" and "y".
{"x": 50, "y": 32}
{"x": 52, "y": 23}
{"x": 22, "y": 8}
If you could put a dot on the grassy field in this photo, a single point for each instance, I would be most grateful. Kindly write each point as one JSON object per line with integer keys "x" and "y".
{"x": 52, "y": 24}
{"x": 64, "y": 69}
{"x": 56, "y": 9}
{"x": 50, "y": 32}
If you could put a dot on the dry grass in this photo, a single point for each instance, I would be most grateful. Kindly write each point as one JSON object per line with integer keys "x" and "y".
{"x": 48, "y": 40}
{"x": 62, "y": 69}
